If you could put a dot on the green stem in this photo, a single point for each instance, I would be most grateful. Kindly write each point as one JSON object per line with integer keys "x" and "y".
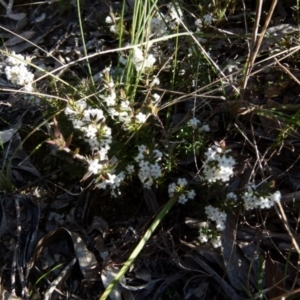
{"x": 140, "y": 246}
{"x": 83, "y": 42}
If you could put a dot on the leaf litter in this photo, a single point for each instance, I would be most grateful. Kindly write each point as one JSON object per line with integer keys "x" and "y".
{"x": 61, "y": 232}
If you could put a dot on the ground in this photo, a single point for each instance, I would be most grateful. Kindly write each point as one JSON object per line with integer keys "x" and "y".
{"x": 62, "y": 237}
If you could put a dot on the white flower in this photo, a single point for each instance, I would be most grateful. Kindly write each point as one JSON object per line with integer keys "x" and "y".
{"x": 184, "y": 195}
{"x": 150, "y": 61}
{"x": 90, "y": 131}
{"x": 156, "y": 97}
{"x": 19, "y": 75}
{"x": 171, "y": 189}
{"x": 74, "y": 109}
{"x": 181, "y": 182}
{"x": 130, "y": 169}
{"x": 142, "y": 148}
{"x": 158, "y": 26}
{"x": 103, "y": 153}
{"x": 77, "y": 124}
{"x": 108, "y": 20}
{"x": 113, "y": 29}
{"x": 81, "y": 105}
{"x": 69, "y": 112}
{"x": 141, "y": 118}
{"x": 252, "y": 200}
{"x": 204, "y": 128}
{"x": 144, "y": 165}
{"x": 113, "y": 182}
{"x": 14, "y": 61}
{"x": 276, "y": 197}
{"x": 191, "y": 194}
{"x": 208, "y": 19}
{"x": 93, "y": 114}
{"x": 198, "y": 23}
{"x": 214, "y": 214}
{"x": 122, "y": 60}
{"x": 94, "y": 143}
{"x": 148, "y": 171}
{"x": 137, "y": 56}
{"x": 182, "y": 199}
{"x": 140, "y": 61}
{"x": 28, "y": 87}
{"x": 155, "y": 170}
{"x": 105, "y": 142}
{"x": 155, "y": 81}
{"x": 106, "y": 131}
{"x": 157, "y": 154}
{"x": 231, "y": 196}
{"x": 218, "y": 165}
{"x": 220, "y": 226}
{"x": 140, "y": 156}
{"x": 175, "y": 14}
{"x": 94, "y": 166}
{"x": 110, "y": 99}
{"x": 203, "y": 237}
{"x": 210, "y": 154}
{"x": 194, "y": 123}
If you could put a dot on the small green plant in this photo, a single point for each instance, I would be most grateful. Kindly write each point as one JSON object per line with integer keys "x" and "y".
{"x": 120, "y": 125}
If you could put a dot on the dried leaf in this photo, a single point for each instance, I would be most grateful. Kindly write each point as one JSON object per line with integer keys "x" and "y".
{"x": 150, "y": 200}
{"x": 225, "y": 288}
{"x": 87, "y": 261}
{"x": 63, "y": 275}
{"x": 274, "y": 278}
{"x": 18, "y": 152}
{"x": 20, "y": 47}
{"x": 17, "y": 17}
{"x": 275, "y": 90}
{"x": 3, "y": 226}
{"x": 5, "y": 295}
{"x": 19, "y": 39}
{"x": 107, "y": 276}
{"x": 6, "y": 135}
{"x": 237, "y": 266}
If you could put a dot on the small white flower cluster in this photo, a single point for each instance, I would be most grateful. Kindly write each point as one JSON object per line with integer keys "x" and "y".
{"x": 149, "y": 169}
{"x": 200, "y": 23}
{"x": 94, "y": 165}
{"x": 218, "y": 164}
{"x": 175, "y": 14}
{"x": 113, "y": 182}
{"x": 122, "y": 110}
{"x": 79, "y": 113}
{"x": 113, "y": 27}
{"x": 16, "y": 71}
{"x": 206, "y": 234}
{"x": 216, "y": 215}
{"x": 140, "y": 118}
{"x": 158, "y": 26}
{"x": 231, "y": 197}
{"x": 155, "y": 81}
{"x": 91, "y": 121}
{"x": 195, "y": 124}
{"x": 180, "y": 187}
{"x": 160, "y": 22}
{"x": 206, "y": 20}
{"x": 140, "y": 61}
{"x": 253, "y": 200}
